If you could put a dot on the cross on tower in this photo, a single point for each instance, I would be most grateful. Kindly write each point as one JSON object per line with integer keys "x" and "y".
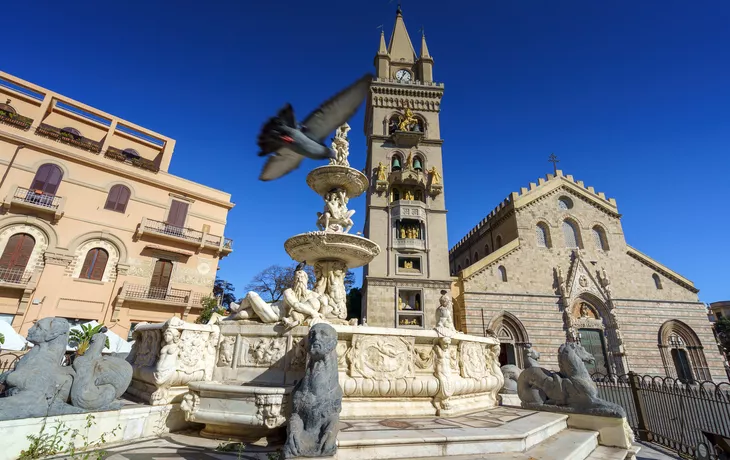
{"x": 554, "y": 160}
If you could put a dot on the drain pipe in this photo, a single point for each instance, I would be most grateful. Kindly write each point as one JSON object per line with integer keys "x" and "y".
{"x": 10, "y": 165}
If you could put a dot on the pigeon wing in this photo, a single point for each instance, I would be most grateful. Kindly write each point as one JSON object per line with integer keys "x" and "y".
{"x": 280, "y": 163}
{"x": 337, "y": 110}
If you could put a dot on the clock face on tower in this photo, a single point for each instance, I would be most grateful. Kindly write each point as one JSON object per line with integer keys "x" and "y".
{"x": 403, "y": 76}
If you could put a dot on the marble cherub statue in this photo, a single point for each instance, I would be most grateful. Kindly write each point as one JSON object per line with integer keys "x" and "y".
{"x": 341, "y": 146}
{"x": 444, "y": 312}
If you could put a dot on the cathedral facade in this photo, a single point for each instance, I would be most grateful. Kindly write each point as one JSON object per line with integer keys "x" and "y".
{"x": 551, "y": 264}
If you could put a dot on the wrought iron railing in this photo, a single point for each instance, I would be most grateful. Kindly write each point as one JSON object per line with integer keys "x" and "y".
{"x": 163, "y": 228}
{"x": 66, "y": 137}
{"x": 170, "y": 295}
{"x": 142, "y": 163}
{"x": 15, "y": 275}
{"x": 228, "y": 243}
{"x": 13, "y": 119}
{"x": 686, "y": 418}
{"x": 212, "y": 240}
{"x": 37, "y": 197}
{"x": 8, "y": 359}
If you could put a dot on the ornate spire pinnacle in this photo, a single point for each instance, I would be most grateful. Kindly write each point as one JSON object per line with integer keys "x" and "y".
{"x": 400, "y": 47}
{"x": 424, "y": 47}
{"x": 382, "y": 49}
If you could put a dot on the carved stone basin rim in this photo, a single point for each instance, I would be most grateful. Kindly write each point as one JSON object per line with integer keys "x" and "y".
{"x": 355, "y": 251}
{"x": 239, "y": 388}
{"x": 326, "y": 178}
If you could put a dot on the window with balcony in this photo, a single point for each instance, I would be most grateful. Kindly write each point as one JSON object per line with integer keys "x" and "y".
{"x": 15, "y": 258}
{"x": 94, "y": 264}
{"x": 410, "y": 308}
{"x": 118, "y": 198}
{"x": 45, "y": 185}
{"x": 160, "y": 279}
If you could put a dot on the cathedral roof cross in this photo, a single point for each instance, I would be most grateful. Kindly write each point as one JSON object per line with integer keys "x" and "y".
{"x": 554, "y": 160}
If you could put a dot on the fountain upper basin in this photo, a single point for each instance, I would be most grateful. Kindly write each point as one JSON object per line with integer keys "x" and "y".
{"x": 355, "y": 251}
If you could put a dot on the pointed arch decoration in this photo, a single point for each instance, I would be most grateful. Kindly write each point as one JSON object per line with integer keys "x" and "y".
{"x": 682, "y": 352}
{"x": 511, "y": 333}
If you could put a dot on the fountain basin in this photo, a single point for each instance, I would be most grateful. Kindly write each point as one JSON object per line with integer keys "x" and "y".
{"x": 326, "y": 178}
{"x": 383, "y": 372}
{"x": 355, "y": 251}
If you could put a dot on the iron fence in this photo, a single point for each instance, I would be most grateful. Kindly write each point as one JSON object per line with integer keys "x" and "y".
{"x": 692, "y": 419}
{"x": 163, "y": 228}
{"x": 15, "y": 275}
{"x": 37, "y": 197}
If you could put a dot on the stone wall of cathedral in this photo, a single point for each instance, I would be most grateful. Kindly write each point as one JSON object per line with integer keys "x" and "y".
{"x": 640, "y": 305}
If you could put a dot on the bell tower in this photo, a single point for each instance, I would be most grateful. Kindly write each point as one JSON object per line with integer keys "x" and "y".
{"x": 406, "y": 210}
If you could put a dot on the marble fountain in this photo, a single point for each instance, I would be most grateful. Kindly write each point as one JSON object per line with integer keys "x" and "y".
{"x": 235, "y": 374}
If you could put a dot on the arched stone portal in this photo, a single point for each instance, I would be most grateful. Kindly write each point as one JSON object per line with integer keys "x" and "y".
{"x": 513, "y": 338}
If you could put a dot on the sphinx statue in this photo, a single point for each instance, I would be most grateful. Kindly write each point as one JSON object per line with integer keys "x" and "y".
{"x": 99, "y": 381}
{"x": 39, "y": 385}
{"x": 316, "y": 400}
{"x": 570, "y": 390}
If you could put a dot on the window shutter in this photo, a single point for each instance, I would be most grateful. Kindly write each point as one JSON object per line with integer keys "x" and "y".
{"x": 47, "y": 179}
{"x": 17, "y": 252}
{"x": 123, "y": 199}
{"x": 97, "y": 271}
{"x": 112, "y": 198}
{"x": 88, "y": 262}
{"x": 161, "y": 274}
{"x": 177, "y": 214}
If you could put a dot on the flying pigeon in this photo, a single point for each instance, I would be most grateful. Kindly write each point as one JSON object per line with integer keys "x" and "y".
{"x": 290, "y": 142}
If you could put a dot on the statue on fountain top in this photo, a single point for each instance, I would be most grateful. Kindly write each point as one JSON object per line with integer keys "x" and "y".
{"x": 298, "y": 306}
{"x": 335, "y": 217}
{"x": 341, "y": 146}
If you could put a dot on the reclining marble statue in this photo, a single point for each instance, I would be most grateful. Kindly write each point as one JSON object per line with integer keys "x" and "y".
{"x": 316, "y": 400}
{"x": 299, "y": 305}
{"x": 40, "y": 386}
{"x": 569, "y": 390}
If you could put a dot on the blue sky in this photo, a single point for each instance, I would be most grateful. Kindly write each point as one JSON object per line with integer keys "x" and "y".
{"x": 632, "y": 96}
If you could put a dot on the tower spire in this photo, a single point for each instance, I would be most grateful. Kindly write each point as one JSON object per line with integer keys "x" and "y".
{"x": 382, "y": 49}
{"x": 424, "y": 47}
{"x": 400, "y": 47}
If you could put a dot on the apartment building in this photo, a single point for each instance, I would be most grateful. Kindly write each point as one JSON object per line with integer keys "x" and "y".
{"x": 92, "y": 226}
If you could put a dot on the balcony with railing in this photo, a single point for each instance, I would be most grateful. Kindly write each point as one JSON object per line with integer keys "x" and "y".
{"x": 130, "y": 159}
{"x": 67, "y": 137}
{"x": 15, "y": 120}
{"x": 184, "y": 235}
{"x": 408, "y": 209}
{"x": 144, "y": 293}
{"x": 409, "y": 243}
{"x": 15, "y": 277}
{"x": 36, "y": 200}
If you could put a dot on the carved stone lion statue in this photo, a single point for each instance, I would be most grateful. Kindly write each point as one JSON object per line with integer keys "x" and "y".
{"x": 317, "y": 399}
{"x": 39, "y": 385}
{"x": 569, "y": 390}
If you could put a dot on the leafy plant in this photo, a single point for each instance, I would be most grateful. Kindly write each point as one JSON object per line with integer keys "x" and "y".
{"x": 229, "y": 446}
{"x": 46, "y": 444}
{"x": 2, "y": 338}
{"x": 81, "y": 338}
{"x": 210, "y": 306}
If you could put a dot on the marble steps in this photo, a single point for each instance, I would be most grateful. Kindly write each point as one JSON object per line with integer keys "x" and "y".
{"x": 516, "y": 437}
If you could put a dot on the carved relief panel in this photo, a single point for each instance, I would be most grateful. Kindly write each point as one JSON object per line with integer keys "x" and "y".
{"x": 473, "y": 360}
{"x": 382, "y": 358}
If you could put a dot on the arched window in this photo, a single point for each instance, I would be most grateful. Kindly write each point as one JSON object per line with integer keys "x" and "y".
{"x": 657, "y": 281}
{"x": 564, "y": 203}
{"x": 476, "y": 257}
{"x": 94, "y": 264}
{"x": 458, "y": 268}
{"x": 395, "y": 163}
{"x": 395, "y": 193}
{"x": 47, "y": 179}
{"x": 502, "y": 273}
{"x": 599, "y": 238}
{"x": 486, "y": 249}
{"x": 417, "y": 163}
{"x": 541, "y": 233}
{"x": 498, "y": 242}
{"x": 15, "y": 257}
{"x": 570, "y": 233}
{"x": 467, "y": 262}
{"x": 73, "y": 131}
{"x": 118, "y": 198}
